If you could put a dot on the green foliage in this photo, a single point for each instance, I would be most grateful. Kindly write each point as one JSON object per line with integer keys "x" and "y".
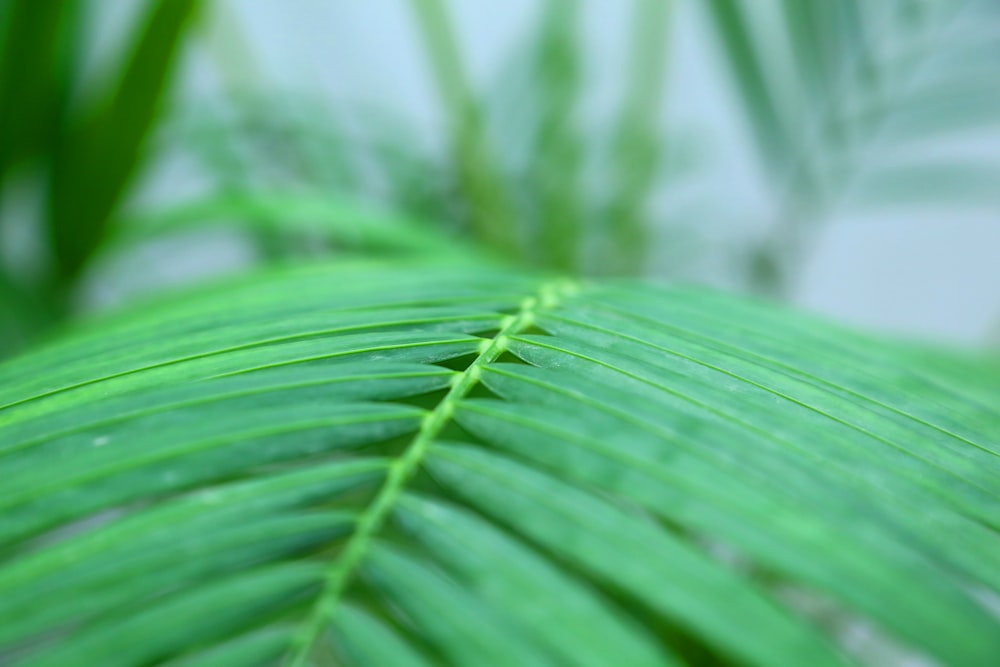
{"x": 31, "y": 72}
{"x": 514, "y": 178}
{"x": 97, "y": 154}
{"x": 456, "y": 461}
{"x": 638, "y": 148}
{"x": 329, "y": 223}
{"x": 830, "y": 89}
{"x": 79, "y": 145}
{"x": 827, "y": 90}
{"x": 555, "y": 162}
{"x": 839, "y": 100}
{"x": 479, "y": 178}
{"x": 449, "y": 464}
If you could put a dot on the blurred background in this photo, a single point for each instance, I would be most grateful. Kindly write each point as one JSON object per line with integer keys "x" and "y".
{"x": 839, "y": 155}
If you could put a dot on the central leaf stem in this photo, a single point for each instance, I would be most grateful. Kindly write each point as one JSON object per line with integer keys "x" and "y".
{"x": 402, "y": 469}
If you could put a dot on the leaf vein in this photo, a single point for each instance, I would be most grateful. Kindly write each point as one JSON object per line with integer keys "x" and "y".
{"x": 340, "y": 572}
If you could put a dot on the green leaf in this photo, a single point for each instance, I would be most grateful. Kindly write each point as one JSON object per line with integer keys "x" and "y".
{"x": 33, "y": 56}
{"x": 492, "y": 216}
{"x": 638, "y": 151}
{"x": 413, "y": 464}
{"x": 557, "y": 150}
{"x": 532, "y": 590}
{"x": 336, "y": 221}
{"x": 748, "y": 68}
{"x": 100, "y": 153}
{"x": 828, "y": 90}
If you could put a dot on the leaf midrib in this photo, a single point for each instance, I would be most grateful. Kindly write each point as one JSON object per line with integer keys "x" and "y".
{"x": 340, "y": 572}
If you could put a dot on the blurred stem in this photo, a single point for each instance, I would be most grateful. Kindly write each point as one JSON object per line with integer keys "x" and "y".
{"x": 735, "y": 38}
{"x": 237, "y": 66}
{"x": 826, "y": 37}
{"x": 492, "y": 214}
{"x": 557, "y": 153}
{"x": 638, "y": 147}
{"x": 228, "y": 45}
{"x": 776, "y": 262}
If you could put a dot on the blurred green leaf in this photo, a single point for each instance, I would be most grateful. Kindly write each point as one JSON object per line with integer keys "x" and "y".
{"x": 748, "y": 69}
{"x": 99, "y": 155}
{"x": 865, "y": 79}
{"x": 491, "y": 211}
{"x": 954, "y": 184}
{"x": 638, "y": 150}
{"x": 557, "y": 151}
{"x": 18, "y": 316}
{"x": 36, "y": 44}
{"x": 332, "y": 221}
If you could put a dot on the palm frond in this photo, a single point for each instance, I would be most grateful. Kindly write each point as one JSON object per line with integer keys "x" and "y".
{"x": 425, "y": 464}
{"x": 824, "y": 87}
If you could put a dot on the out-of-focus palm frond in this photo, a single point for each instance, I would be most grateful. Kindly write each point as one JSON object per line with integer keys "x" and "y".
{"x": 830, "y": 89}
